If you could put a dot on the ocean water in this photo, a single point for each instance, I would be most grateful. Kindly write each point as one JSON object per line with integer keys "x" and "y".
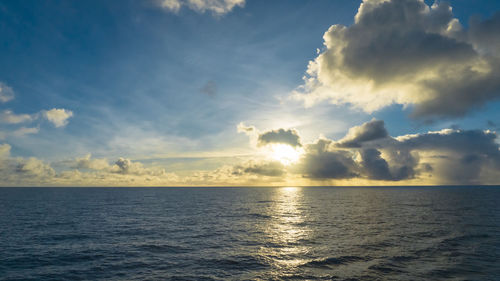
{"x": 289, "y": 233}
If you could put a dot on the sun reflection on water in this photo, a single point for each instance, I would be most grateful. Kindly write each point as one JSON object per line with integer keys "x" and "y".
{"x": 287, "y": 230}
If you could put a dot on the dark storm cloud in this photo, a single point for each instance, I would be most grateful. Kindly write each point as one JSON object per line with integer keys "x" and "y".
{"x": 290, "y": 137}
{"x": 377, "y": 168}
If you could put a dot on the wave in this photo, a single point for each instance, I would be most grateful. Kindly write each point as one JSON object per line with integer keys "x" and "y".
{"x": 163, "y": 248}
{"x": 327, "y": 262}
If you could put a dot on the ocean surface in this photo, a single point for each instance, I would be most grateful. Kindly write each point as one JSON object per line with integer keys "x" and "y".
{"x": 289, "y": 233}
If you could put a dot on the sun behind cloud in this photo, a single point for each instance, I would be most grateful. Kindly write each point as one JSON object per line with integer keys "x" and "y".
{"x": 285, "y": 153}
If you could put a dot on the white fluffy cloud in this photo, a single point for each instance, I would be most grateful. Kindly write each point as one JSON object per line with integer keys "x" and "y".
{"x": 406, "y": 52}
{"x": 58, "y": 116}
{"x": 217, "y": 7}
{"x": 6, "y": 93}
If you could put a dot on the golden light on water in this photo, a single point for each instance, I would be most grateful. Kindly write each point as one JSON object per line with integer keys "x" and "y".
{"x": 287, "y": 228}
{"x": 285, "y": 153}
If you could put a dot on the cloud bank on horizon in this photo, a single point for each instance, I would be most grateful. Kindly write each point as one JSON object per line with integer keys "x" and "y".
{"x": 401, "y": 52}
{"x": 448, "y": 156}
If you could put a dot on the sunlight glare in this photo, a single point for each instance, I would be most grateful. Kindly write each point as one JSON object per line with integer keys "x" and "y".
{"x": 285, "y": 153}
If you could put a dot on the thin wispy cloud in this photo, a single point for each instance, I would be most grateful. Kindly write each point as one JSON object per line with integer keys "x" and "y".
{"x": 6, "y": 93}
{"x": 217, "y": 7}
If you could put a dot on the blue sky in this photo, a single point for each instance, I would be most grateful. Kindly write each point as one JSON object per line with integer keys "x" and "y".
{"x": 167, "y": 89}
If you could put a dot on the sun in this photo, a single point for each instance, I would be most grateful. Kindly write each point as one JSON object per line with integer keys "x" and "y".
{"x": 285, "y": 153}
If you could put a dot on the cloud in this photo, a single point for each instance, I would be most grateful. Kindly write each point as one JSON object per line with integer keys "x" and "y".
{"x": 58, "y": 117}
{"x": 6, "y": 93}
{"x": 372, "y": 130}
{"x": 266, "y": 168}
{"x": 87, "y": 162}
{"x": 127, "y": 167}
{"x": 34, "y": 167}
{"x": 248, "y": 130}
{"x": 84, "y": 171}
{"x": 456, "y": 156}
{"x": 406, "y": 52}
{"x": 24, "y": 131}
{"x": 23, "y": 171}
{"x": 289, "y": 136}
{"x": 448, "y": 156}
{"x": 9, "y": 117}
{"x": 322, "y": 162}
{"x": 377, "y": 168}
{"x": 217, "y": 7}
{"x": 19, "y": 132}
{"x": 4, "y": 150}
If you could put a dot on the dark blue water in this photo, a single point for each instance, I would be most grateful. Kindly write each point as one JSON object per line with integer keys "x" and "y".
{"x": 250, "y": 233}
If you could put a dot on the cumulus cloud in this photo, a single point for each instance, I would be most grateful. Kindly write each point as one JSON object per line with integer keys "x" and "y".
{"x": 127, "y": 167}
{"x": 87, "y": 162}
{"x": 449, "y": 156}
{"x": 217, "y": 7}
{"x": 456, "y": 156}
{"x": 34, "y": 167}
{"x": 377, "y": 168}
{"x": 322, "y": 161}
{"x": 369, "y": 131}
{"x": 6, "y": 93}
{"x": 58, "y": 116}
{"x": 289, "y": 136}
{"x": 9, "y": 117}
{"x": 84, "y": 171}
{"x": 406, "y": 52}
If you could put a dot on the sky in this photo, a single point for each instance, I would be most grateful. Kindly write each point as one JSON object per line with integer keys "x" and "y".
{"x": 249, "y": 92}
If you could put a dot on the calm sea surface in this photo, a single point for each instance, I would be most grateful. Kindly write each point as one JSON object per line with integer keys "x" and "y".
{"x": 313, "y": 233}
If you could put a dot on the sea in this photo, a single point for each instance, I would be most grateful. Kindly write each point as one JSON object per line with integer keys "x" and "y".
{"x": 250, "y": 233}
